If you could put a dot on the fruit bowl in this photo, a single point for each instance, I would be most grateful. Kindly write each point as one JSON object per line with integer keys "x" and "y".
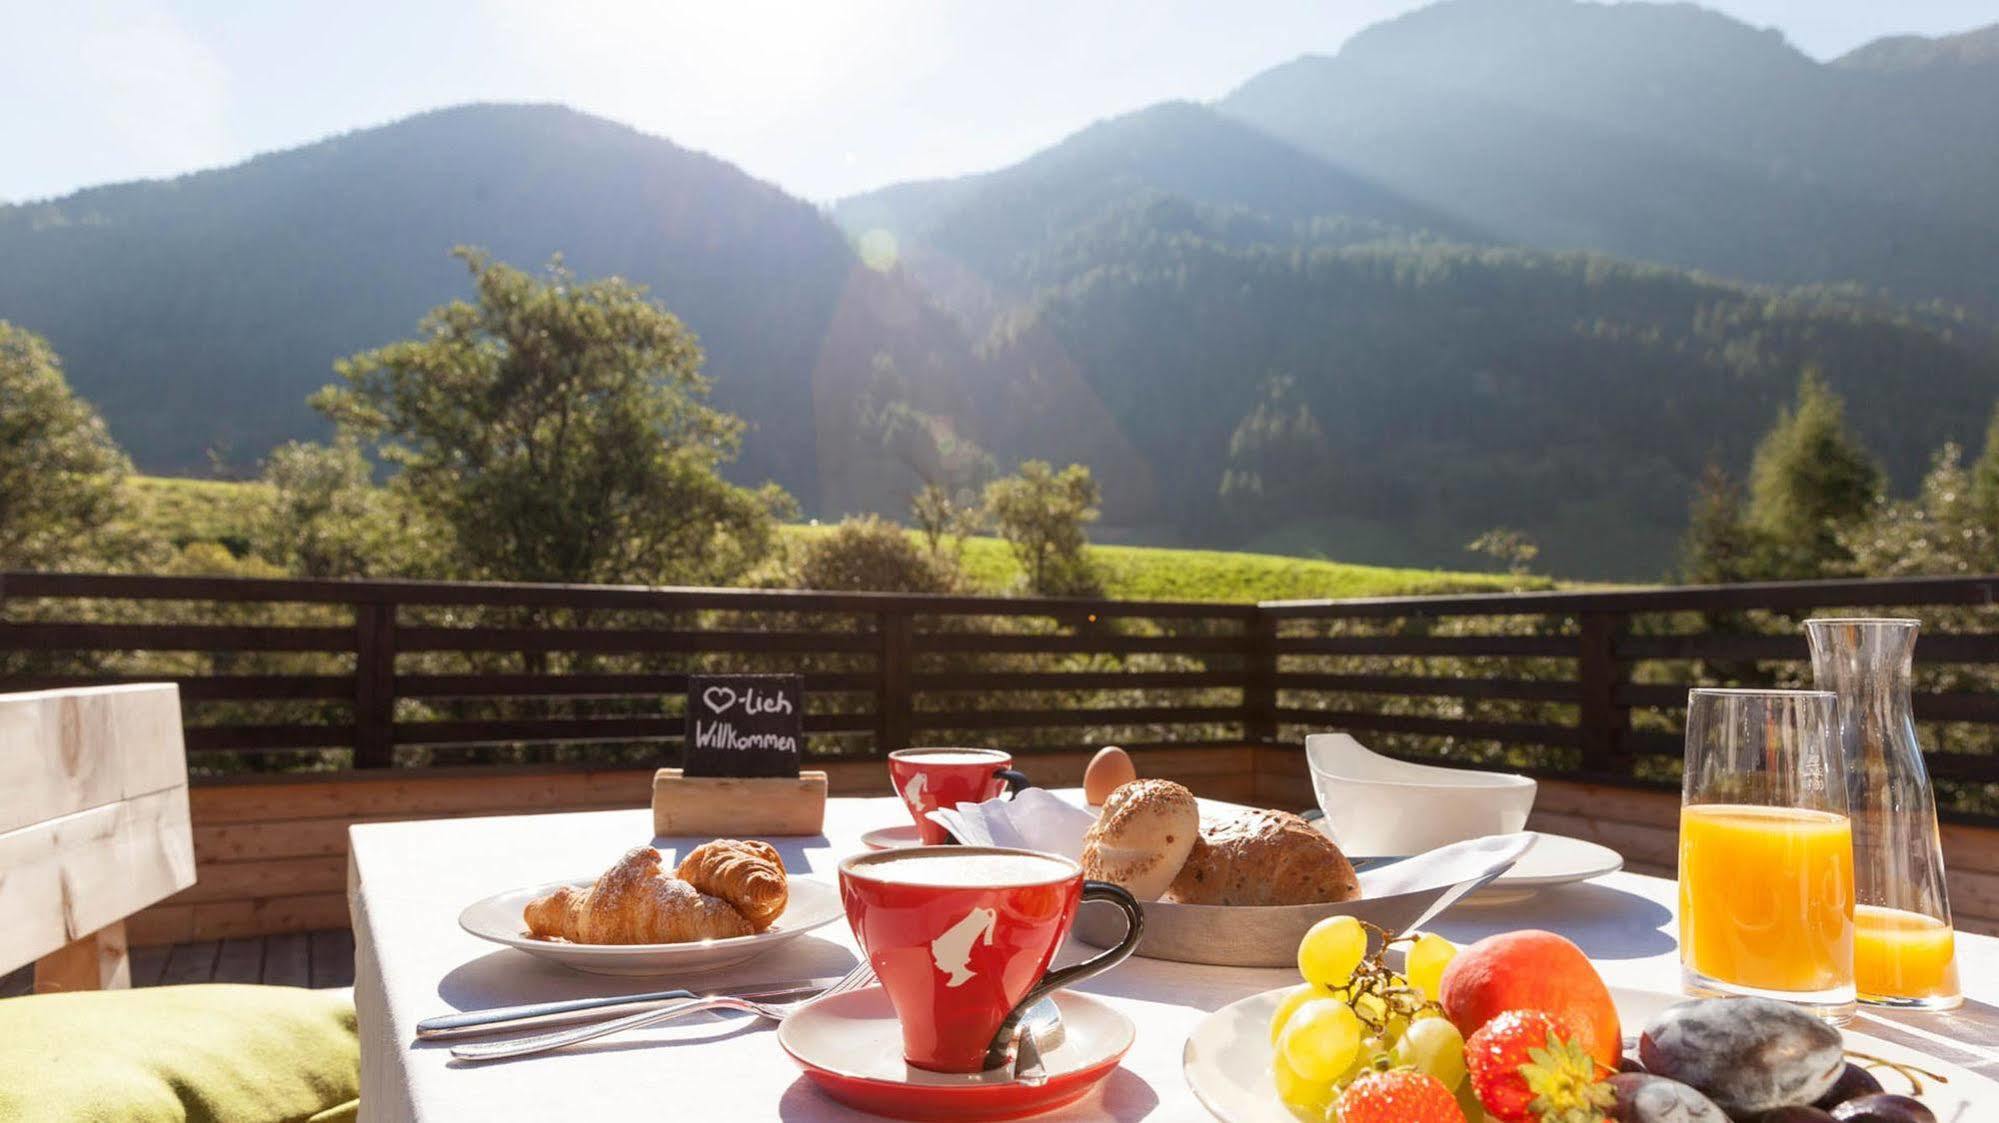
{"x": 1226, "y": 1061}
{"x": 1380, "y": 807}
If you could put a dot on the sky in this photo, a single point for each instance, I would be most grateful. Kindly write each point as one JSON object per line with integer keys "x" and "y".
{"x": 823, "y": 97}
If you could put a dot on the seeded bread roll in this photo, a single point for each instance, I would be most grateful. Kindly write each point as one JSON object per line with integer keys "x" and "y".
{"x": 1263, "y": 858}
{"x": 1146, "y": 829}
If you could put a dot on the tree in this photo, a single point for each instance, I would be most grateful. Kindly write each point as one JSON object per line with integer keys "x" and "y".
{"x": 1042, "y": 515}
{"x": 1938, "y": 533}
{"x": 559, "y": 430}
{"x": 327, "y": 518}
{"x": 62, "y": 494}
{"x": 1719, "y": 545}
{"x": 1984, "y": 482}
{"x": 940, "y": 516}
{"x": 1810, "y": 480}
{"x": 871, "y": 554}
{"x": 1515, "y": 549}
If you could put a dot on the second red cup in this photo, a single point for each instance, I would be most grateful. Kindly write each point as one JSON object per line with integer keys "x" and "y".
{"x": 927, "y": 779}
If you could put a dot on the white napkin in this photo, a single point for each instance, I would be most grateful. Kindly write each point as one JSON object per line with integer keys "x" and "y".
{"x": 1037, "y": 819}
{"x": 1033, "y": 819}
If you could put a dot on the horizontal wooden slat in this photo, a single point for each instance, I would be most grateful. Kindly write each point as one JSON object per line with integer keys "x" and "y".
{"x": 252, "y": 738}
{"x": 626, "y": 640}
{"x": 629, "y": 597}
{"x": 503, "y": 732}
{"x": 172, "y": 637}
{"x": 1109, "y": 642}
{"x": 1904, "y": 591}
{"x": 999, "y": 681}
{"x": 1434, "y": 686}
{"x": 1462, "y": 647}
{"x": 1948, "y": 648}
{"x": 205, "y": 688}
{"x": 1054, "y": 719}
{"x": 590, "y": 685}
{"x": 1954, "y": 706}
{"x": 1506, "y": 731}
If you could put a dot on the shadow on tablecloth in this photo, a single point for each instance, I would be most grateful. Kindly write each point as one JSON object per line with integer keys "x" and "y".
{"x": 1606, "y": 923}
{"x": 1123, "y": 1097}
{"x": 510, "y": 978}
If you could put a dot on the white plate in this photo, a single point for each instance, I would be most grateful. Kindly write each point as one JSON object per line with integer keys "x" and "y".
{"x": 1554, "y": 860}
{"x": 498, "y": 918}
{"x": 1227, "y": 1061}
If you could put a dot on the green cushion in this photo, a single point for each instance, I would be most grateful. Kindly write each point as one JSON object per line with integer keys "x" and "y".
{"x": 199, "y": 1054}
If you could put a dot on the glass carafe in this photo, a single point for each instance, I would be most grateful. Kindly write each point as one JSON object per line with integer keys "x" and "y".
{"x": 1904, "y": 948}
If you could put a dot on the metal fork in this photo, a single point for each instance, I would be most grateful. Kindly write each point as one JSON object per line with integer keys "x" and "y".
{"x": 860, "y": 976}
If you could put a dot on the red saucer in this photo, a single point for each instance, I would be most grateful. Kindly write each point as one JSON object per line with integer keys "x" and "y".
{"x": 851, "y": 1046}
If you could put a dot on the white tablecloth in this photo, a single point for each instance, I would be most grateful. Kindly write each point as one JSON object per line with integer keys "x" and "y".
{"x": 408, "y": 882}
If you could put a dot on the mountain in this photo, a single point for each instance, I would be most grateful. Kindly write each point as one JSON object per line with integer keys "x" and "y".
{"x": 1669, "y": 133}
{"x": 1916, "y": 52}
{"x": 199, "y": 312}
{"x": 1499, "y": 262}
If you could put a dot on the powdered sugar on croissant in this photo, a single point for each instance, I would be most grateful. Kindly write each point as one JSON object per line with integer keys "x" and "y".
{"x": 634, "y": 903}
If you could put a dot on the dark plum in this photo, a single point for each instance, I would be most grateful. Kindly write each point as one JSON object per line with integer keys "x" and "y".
{"x": 1794, "y": 1115}
{"x": 1883, "y": 1109}
{"x": 1629, "y": 1063}
{"x": 1645, "y": 1098}
{"x": 1853, "y": 1083}
{"x": 1748, "y": 1055}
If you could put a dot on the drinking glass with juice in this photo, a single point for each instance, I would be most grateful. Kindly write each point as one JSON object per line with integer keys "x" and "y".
{"x": 1766, "y": 851}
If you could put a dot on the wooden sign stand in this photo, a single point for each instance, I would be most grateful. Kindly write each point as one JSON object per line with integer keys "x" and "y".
{"x": 745, "y": 735}
{"x": 738, "y": 806}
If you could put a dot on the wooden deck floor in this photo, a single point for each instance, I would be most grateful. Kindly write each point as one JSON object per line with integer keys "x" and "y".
{"x": 301, "y": 959}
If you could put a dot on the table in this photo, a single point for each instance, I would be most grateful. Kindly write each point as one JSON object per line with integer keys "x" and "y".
{"x": 408, "y": 881}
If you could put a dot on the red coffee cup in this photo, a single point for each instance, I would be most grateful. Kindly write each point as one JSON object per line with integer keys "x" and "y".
{"x": 927, "y": 779}
{"x": 961, "y": 938}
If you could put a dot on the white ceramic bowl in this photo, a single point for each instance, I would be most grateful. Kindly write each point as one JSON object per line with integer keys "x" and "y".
{"x": 1380, "y": 807}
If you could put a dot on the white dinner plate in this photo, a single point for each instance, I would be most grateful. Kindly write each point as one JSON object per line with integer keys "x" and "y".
{"x": 1227, "y": 1061}
{"x": 498, "y": 918}
{"x": 1554, "y": 860}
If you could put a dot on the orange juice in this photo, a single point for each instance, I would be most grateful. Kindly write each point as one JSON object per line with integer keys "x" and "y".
{"x": 1899, "y": 954}
{"x": 1766, "y": 896}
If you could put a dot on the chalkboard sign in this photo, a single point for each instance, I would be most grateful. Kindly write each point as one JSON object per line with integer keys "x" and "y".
{"x": 744, "y": 725}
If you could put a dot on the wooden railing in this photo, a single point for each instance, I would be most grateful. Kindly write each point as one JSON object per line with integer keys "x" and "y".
{"x": 294, "y": 674}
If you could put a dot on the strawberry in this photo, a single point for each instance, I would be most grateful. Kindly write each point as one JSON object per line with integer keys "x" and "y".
{"x": 1527, "y": 1067}
{"x": 1398, "y": 1095}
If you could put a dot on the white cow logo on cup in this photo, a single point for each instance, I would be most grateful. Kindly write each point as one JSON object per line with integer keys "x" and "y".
{"x": 952, "y": 952}
{"x": 912, "y": 790}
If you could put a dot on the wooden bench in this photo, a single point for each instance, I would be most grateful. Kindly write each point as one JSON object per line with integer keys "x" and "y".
{"x": 93, "y": 826}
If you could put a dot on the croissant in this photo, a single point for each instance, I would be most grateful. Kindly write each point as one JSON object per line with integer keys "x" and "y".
{"x": 748, "y": 875}
{"x": 633, "y": 903}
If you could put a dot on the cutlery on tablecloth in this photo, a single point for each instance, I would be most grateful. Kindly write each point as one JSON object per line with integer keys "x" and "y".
{"x": 859, "y": 977}
{"x": 539, "y": 1015}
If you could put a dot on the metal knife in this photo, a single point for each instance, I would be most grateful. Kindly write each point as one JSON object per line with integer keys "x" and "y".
{"x": 541, "y": 1015}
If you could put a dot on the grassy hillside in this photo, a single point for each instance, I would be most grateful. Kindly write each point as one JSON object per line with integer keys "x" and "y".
{"x": 186, "y": 511}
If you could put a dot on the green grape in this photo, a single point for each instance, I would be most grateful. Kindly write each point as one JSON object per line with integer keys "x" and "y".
{"x": 1320, "y": 1040}
{"x": 1435, "y": 1046}
{"x": 1428, "y": 957}
{"x": 1295, "y": 997}
{"x": 1371, "y": 1049}
{"x": 1308, "y": 1100}
{"x": 1331, "y": 951}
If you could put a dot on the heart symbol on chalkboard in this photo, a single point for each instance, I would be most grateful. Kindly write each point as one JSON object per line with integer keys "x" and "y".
{"x": 719, "y": 699}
